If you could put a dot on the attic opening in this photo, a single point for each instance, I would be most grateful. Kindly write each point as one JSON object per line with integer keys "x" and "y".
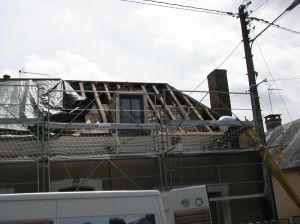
{"x": 131, "y": 109}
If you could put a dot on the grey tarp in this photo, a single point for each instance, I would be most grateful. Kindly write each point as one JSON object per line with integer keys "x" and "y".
{"x": 23, "y": 99}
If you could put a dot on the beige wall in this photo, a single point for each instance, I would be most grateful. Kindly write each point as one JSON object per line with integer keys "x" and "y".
{"x": 286, "y": 208}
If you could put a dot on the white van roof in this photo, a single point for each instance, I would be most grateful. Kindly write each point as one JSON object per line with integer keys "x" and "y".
{"x": 77, "y": 195}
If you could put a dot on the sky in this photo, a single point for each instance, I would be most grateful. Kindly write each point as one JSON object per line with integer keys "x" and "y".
{"x": 113, "y": 40}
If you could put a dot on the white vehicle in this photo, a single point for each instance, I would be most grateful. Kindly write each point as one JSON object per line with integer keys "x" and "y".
{"x": 188, "y": 205}
{"x": 104, "y": 207}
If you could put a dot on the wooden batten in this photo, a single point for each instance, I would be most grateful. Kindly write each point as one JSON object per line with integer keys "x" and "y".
{"x": 99, "y": 104}
{"x": 209, "y": 114}
{"x": 196, "y": 112}
{"x": 151, "y": 102}
{"x": 164, "y": 103}
{"x": 107, "y": 92}
{"x": 183, "y": 112}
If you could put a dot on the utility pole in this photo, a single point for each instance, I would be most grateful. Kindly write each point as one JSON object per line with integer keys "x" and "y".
{"x": 256, "y": 110}
{"x": 257, "y": 117}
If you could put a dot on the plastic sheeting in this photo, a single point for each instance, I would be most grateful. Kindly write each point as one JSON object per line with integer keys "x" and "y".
{"x": 55, "y": 100}
{"x": 286, "y": 142}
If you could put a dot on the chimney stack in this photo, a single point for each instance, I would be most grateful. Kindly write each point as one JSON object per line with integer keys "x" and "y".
{"x": 272, "y": 121}
{"x": 219, "y": 92}
{"x": 6, "y": 76}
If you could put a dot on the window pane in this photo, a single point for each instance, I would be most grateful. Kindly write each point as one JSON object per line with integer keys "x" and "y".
{"x": 125, "y": 104}
{"x": 136, "y": 116}
{"x": 118, "y": 219}
{"x": 131, "y": 109}
{"x": 136, "y": 104}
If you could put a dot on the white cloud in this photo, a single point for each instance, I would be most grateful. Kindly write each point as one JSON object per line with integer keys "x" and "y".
{"x": 187, "y": 31}
{"x": 65, "y": 65}
{"x": 68, "y": 14}
{"x": 100, "y": 40}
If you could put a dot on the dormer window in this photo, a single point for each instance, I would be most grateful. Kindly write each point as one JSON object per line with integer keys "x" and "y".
{"x": 131, "y": 109}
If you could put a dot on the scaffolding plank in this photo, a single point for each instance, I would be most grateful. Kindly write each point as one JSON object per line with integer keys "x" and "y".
{"x": 20, "y": 121}
{"x": 82, "y": 92}
{"x": 99, "y": 104}
{"x": 196, "y": 112}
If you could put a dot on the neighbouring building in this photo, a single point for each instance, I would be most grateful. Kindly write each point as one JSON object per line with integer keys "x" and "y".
{"x": 285, "y": 143}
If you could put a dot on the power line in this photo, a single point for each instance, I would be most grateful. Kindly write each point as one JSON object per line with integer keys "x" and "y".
{"x": 268, "y": 68}
{"x": 181, "y": 7}
{"x": 285, "y": 79}
{"x": 294, "y": 4}
{"x": 210, "y": 11}
{"x": 270, "y": 24}
{"x": 259, "y": 5}
{"x": 271, "y": 9}
{"x": 230, "y": 54}
{"x": 163, "y": 6}
{"x": 227, "y": 57}
{"x": 274, "y": 25}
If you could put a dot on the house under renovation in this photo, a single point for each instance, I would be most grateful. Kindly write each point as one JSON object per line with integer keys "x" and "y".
{"x": 58, "y": 135}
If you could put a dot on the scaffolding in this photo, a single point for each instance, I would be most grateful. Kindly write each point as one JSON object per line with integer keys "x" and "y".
{"x": 125, "y": 136}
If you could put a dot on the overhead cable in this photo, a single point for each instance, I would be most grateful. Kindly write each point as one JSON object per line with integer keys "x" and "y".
{"x": 270, "y": 73}
{"x": 181, "y": 7}
{"x": 274, "y": 25}
{"x": 225, "y": 59}
{"x": 294, "y": 4}
{"x": 285, "y": 79}
{"x": 259, "y": 5}
{"x": 230, "y": 54}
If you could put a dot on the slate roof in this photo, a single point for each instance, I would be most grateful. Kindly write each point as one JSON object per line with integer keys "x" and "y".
{"x": 287, "y": 137}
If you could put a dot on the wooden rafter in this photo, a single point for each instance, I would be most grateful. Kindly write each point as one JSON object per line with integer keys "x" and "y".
{"x": 196, "y": 112}
{"x": 82, "y": 92}
{"x": 150, "y": 102}
{"x": 183, "y": 112}
{"x": 209, "y": 114}
{"x": 107, "y": 92}
{"x": 99, "y": 104}
{"x": 164, "y": 103}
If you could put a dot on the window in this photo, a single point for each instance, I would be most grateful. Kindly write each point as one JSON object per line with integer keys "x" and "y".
{"x": 131, "y": 109}
{"x": 124, "y": 219}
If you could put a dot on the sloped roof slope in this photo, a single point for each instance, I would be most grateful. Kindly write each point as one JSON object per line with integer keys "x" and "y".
{"x": 287, "y": 137}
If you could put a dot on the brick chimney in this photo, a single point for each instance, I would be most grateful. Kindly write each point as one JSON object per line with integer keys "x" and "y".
{"x": 272, "y": 121}
{"x": 219, "y": 92}
{"x": 6, "y": 76}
